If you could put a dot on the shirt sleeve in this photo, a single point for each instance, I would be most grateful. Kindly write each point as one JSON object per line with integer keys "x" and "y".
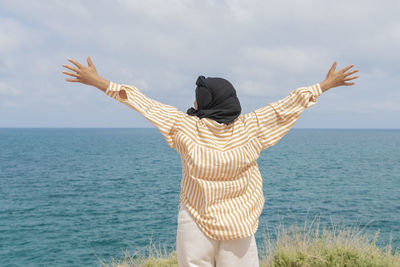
{"x": 164, "y": 117}
{"x": 275, "y": 120}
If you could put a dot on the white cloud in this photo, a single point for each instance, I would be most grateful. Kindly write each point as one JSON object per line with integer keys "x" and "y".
{"x": 390, "y": 34}
{"x": 387, "y": 105}
{"x": 283, "y": 58}
{"x": 265, "y": 48}
{"x": 7, "y": 89}
{"x": 14, "y": 36}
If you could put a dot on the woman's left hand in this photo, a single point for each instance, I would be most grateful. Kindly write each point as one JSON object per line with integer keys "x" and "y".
{"x": 86, "y": 75}
{"x": 338, "y": 78}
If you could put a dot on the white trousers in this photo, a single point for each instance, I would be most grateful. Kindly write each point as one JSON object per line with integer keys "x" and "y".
{"x": 194, "y": 248}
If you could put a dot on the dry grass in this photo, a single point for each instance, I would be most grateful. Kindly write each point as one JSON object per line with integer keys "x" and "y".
{"x": 156, "y": 257}
{"x": 296, "y": 247}
{"x": 337, "y": 246}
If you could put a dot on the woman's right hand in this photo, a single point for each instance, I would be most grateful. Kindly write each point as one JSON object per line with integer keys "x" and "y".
{"x": 85, "y": 75}
{"x": 338, "y": 78}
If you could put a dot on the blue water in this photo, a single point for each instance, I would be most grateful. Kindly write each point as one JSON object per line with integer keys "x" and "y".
{"x": 69, "y": 197}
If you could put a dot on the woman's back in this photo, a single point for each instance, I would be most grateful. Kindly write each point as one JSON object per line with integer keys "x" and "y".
{"x": 221, "y": 184}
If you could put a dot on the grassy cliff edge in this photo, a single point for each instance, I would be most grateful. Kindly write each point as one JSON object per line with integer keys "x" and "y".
{"x": 295, "y": 247}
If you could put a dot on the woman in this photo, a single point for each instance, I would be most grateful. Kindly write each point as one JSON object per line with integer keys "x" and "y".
{"x": 221, "y": 195}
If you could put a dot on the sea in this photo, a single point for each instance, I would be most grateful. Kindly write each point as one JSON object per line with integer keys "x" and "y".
{"x": 83, "y": 196}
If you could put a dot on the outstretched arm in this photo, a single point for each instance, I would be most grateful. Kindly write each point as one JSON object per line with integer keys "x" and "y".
{"x": 164, "y": 117}
{"x": 276, "y": 119}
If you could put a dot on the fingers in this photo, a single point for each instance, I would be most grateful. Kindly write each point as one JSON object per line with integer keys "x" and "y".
{"x": 351, "y": 72}
{"x": 347, "y": 68}
{"x": 89, "y": 61}
{"x": 348, "y": 83}
{"x": 72, "y": 80}
{"x": 70, "y": 74}
{"x": 69, "y": 67}
{"x": 79, "y": 65}
{"x": 350, "y": 78}
{"x": 333, "y": 67}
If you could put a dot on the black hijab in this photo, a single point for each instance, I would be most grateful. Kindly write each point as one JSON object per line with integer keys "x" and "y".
{"x": 216, "y": 99}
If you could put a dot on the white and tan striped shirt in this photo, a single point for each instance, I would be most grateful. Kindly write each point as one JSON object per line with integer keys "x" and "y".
{"x": 221, "y": 184}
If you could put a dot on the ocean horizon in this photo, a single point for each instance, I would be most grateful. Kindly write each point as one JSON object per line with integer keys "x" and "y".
{"x": 18, "y": 127}
{"x": 71, "y": 195}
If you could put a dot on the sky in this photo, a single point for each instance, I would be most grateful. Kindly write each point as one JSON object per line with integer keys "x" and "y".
{"x": 265, "y": 49}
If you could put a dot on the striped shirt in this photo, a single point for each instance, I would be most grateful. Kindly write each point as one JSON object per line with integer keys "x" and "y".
{"x": 221, "y": 184}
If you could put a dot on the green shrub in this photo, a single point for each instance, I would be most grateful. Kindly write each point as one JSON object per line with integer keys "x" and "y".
{"x": 339, "y": 246}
